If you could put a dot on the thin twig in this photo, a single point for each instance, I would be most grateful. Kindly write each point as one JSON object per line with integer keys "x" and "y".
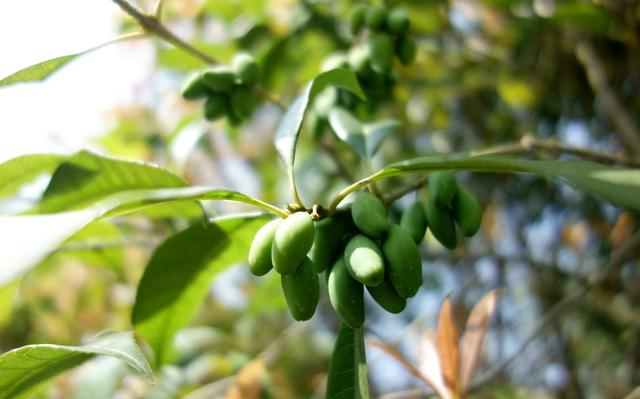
{"x": 151, "y": 24}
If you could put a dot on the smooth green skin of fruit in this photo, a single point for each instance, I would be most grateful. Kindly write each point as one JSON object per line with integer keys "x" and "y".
{"x": 292, "y": 241}
{"x": 441, "y": 224}
{"x": 260, "y": 250}
{"x": 404, "y": 264}
{"x": 398, "y": 21}
{"x": 242, "y": 101}
{"x": 375, "y": 17}
{"x": 219, "y": 79}
{"x": 380, "y": 46}
{"x": 387, "y": 297}
{"x": 443, "y": 187}
{"x": 414, "y": 221}
{"x": 369, "y": 214}
{"x": 467, "y": 212}
{"x": 346, "y": 295}
{"x": 302, "y": 290}
{"x": 246, "y": 68}
{"x": 364, "y": 260}
{"x": 216, "y": 107}
{"x": 356, "y": 19}
{"x": 330, "y": 235}
{"x": 406, "y": 49}
{"x": 194, "y": 88}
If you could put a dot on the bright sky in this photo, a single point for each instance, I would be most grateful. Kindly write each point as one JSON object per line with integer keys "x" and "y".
{"x": 60, "y": 114}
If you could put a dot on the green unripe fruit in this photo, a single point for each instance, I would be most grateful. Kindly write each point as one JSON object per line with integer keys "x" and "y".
{"x": 246, "y": 69}
{"x": 260, "y": 250}
{"x": 330, "y": 236}
{"x": 302, "y": 290}
{"x": 194, "y": 88}
{"x": 216, "y": 107}
{"x": 369, "y": 214}
{"x": 219, "y": 79}
{"x": 414, "y": 221}
{"x": 443, "y": 187}
{"x": 398, "y": 21}
{"x": 404, "y": 264}
{"x": 406, "y": 49}
{"x": 375, "y": 17}
{"x": 242, "y": 101}
{"x": 292, "y": 241}
{"x": 467, "y": 211}
{"x": 387, "y": 297}
{"x": 380, "y": 48}
{"x": 356, "y": 19}
{"x": 364, "y": 260}
{"x": 441, "y": 224}
{"x": 346, "y": 295}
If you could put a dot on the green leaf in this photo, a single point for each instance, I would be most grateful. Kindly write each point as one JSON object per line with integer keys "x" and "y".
{"x": 32, "y": 237}
{"x": 25, "y": 367}
{"x": 286, "y": 137}
{"x": 179, "y": 275}
{"x": 86, "y": 177}
{"x": 348, "y": 369}
{"x": 16, "y": 172}
{"x": 620, "y": 186}
{"x": 348, "y": 129}
{"x": 8, "y": 296}
{"x": 39, "y": 71}
{"x": 376, "y": 133}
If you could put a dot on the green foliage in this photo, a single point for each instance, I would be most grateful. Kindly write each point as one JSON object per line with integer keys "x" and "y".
{"x": 39, "y": 71}
{"x": 16, "y": 172}
{"x": 348, "y": 370}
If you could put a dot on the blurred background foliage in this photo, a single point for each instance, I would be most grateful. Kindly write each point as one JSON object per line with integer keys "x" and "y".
{"x": 488, "y": 72}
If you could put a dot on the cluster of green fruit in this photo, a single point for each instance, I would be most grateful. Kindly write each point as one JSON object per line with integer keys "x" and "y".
{"x": 228, "y": 89}
{"x": 359, "y": 248}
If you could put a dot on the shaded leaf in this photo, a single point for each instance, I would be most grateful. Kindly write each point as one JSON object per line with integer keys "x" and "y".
{"x": 375, "y": 133}
{"x": 348, "y": 368}
{"x": 448, "y": 350}
{"x": 99, "y": 379}
{"x": 25, "y": 367}
{"x": 473, "y": 337}
{"x": 179, "y": 274}
{"x": 16, "y": 172}
{"x": 349, "y": 130}
{"x": 38, "y": 72}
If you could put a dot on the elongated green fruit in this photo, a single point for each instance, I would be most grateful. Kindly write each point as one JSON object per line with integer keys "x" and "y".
{"x": 369, "y": 214}
{"x": 404, "y": 264}
{"x": 194, "y": 87}
{"x": 330, "y": 235}
{"x": 246, "y": 69}
{"x": 441, "y": 224}
{"x": 380, "y": 48}
{"x": 375, "y": 17}
{"x": 346, "y": 295}
{"x": 302, "y": 290}
{"x": 292, "y": 241}
{"x": 260, "y": 250}
{"x": 216, "y": 107}
{"x": 398, "y": 21}
{"x": 406, "y": 49}
{"x": 242, "y": 101}
{"x": 443, "y": 187}
{"x": 356, "y": 19}
{"x": 414, "y": 221}
{"x": 364, "y": 260}
{"x": 467, "y": 211}
{"x": 219, "y": 79}
{"x": 387, "y": 297}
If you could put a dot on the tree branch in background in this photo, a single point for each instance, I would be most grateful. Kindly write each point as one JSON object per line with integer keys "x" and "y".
{"x": 151, "y": 24}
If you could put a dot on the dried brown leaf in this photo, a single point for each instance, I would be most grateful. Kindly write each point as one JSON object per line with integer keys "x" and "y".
{"x": 448, "y": 349}
{"x": 474, "y": 335}
{"x": 248, "y": 382}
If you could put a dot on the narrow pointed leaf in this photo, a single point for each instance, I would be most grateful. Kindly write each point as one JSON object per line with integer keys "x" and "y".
{"x": 473, "y": 337}
{"x": 348, "y": 369}
{"x": 179, "y": 275}
{"x": 349, "y": 130}
{"x": 16, "y": 172}
{"x": 429, "y": 363}
{"x": 25, "y": 367}
{"x": 448, "y": 350}
{"x": 38, "y": 72}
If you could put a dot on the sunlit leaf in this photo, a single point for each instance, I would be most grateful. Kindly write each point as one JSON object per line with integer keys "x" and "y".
{"x": 473, "y": 337}
{"x": 448, "y": 350}
{"x": 179, "y": 275}
{"x": 429, "y": 363}
{"x": 376, "y": 133}
{"x": 349, "y": 130}
{"x": 16, "y": 172}
{"x": 23, "y": 368}
{"x": 348, "y": 368}
{"x": 39, "y": 71}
